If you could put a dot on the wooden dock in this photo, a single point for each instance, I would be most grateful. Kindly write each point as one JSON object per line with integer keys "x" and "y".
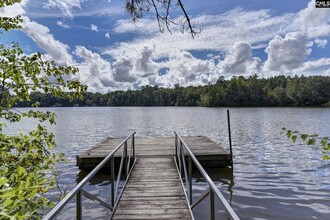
{"x": 153, "y": 191}
{"x": 209, "y": 153}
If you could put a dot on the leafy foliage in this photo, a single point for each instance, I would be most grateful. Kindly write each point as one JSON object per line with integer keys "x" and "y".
{"x": 26, "y": 160}
{"x": 310, "y": 139}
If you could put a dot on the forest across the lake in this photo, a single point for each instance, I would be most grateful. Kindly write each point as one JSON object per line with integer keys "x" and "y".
{"x": 236, "y": 92}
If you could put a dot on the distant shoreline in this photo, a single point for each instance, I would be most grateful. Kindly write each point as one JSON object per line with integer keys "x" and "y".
{"x": 278, "y": 91}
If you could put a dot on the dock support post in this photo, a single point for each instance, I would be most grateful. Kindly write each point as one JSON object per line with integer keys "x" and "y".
{"x": 78, "y": 206}
{"x": 212, "y": 206}
{"x": 113, "y": 181}
{"x": 230, "y": 145}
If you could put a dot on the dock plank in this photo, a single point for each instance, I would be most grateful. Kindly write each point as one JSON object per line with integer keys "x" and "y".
{"x": 153, "y": 191}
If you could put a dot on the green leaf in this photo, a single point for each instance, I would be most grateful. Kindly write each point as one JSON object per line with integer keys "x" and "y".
{"x": 289, "y": 133}
{"x": 304, "y": 137}
{"x": 326, "y": 157}
{"x": 294, "y": 138}
{"x": 311, "y": 141}
{"x": 327, "y": 148}
{"x": 21, "y": 171}
{"x": 7, "y": 202}
{"x": 3, "y": 181}
{"x": 324, "y": 142}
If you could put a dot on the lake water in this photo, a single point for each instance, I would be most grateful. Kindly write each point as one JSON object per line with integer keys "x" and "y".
{"x": 272, "y": 179}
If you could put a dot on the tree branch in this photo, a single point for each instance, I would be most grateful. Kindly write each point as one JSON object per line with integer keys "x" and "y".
{"x": 162, "y": 8}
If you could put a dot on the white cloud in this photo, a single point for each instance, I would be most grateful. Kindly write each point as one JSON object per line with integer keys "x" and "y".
{"x": 95, "y": 71}
{"x": 94, "y": 27}
{"x": 287, "y": 53}
{"x": 123, "y": 70}
{"x": 240, "y": 60}
{"x": 107, "y": 35}
{"x": 65, "y": 6}
{"x": 219, "y": 32}
{"x": 55, "y": 50}
{"x": 61, "y": 24}
{"x": 137, "y": 67}
{"x": 313, "y": 21}
{"x": 14, "y": 10}
{"x": 321, "y": 42}
{"x": 314, "y": 67}
{"x": 185, "y": 69}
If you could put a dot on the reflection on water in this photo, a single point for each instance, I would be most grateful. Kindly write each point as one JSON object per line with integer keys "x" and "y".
{"x": 272, "y": 179}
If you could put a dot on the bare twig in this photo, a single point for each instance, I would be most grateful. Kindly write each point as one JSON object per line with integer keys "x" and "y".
{"x": 163, "y": 10}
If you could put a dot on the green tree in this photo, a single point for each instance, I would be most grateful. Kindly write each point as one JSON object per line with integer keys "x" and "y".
{"x": 26, "y": 160}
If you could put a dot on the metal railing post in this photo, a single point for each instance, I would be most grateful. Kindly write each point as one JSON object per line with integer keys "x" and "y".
{"x": 113, "y": 181}
{"x": 125, "y": 161}
{"x": 190, "y": 179}
{"x": 133, "y": 142}
{"x": 176, "y": 145}
{"x": 229, "y": 133}
{"x": 212, "y": 206}
{"x": 180, "y": 159}
{"x": 78, "y": 206}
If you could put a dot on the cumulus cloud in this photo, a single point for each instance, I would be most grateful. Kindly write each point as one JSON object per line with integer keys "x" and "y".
{"x": 219, "y": 33}
{"x": 142, "y": 68}
{"x": 185, "y": 69}
{"x": 14, "y": 10}
{"x": 61, "y": 24}
{"x": 123, "y": 69}
{"x": 107, "y": 35}
{"x": 321, "y": 42}
{"x": 94, "y": 27}
{"x": 287, "y": 53}
{"x": 55, "y": 50}
{"x": 65, "y": 6}
{"x": 313, "y": 21}
{"x": 95, "y": 71}
{"x": 240, "y": 60}
{"x": 136, "y": 67}
{"x": 314, "y": 67}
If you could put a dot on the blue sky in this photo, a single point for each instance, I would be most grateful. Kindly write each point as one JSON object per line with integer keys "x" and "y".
{"x": 239, "y": 37}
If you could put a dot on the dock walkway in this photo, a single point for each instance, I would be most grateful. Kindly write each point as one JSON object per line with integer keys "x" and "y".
{"x": 153, "y": 191}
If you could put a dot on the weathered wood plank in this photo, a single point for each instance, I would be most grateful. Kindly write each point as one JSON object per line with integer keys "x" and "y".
{"x": 137, "y": 211}
{"x": 152, "y": 216}
{"x": 153, "y": 192}
{"x": 168, "y": 199}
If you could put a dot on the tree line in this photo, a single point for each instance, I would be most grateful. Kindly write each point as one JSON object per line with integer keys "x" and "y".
{"x": 237, "y": 92}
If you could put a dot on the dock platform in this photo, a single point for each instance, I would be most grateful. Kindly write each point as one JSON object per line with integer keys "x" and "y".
{"x": 208, "y": 153}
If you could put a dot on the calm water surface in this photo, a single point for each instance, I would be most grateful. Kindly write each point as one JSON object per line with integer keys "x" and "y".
{"x": 272, "y": 179}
